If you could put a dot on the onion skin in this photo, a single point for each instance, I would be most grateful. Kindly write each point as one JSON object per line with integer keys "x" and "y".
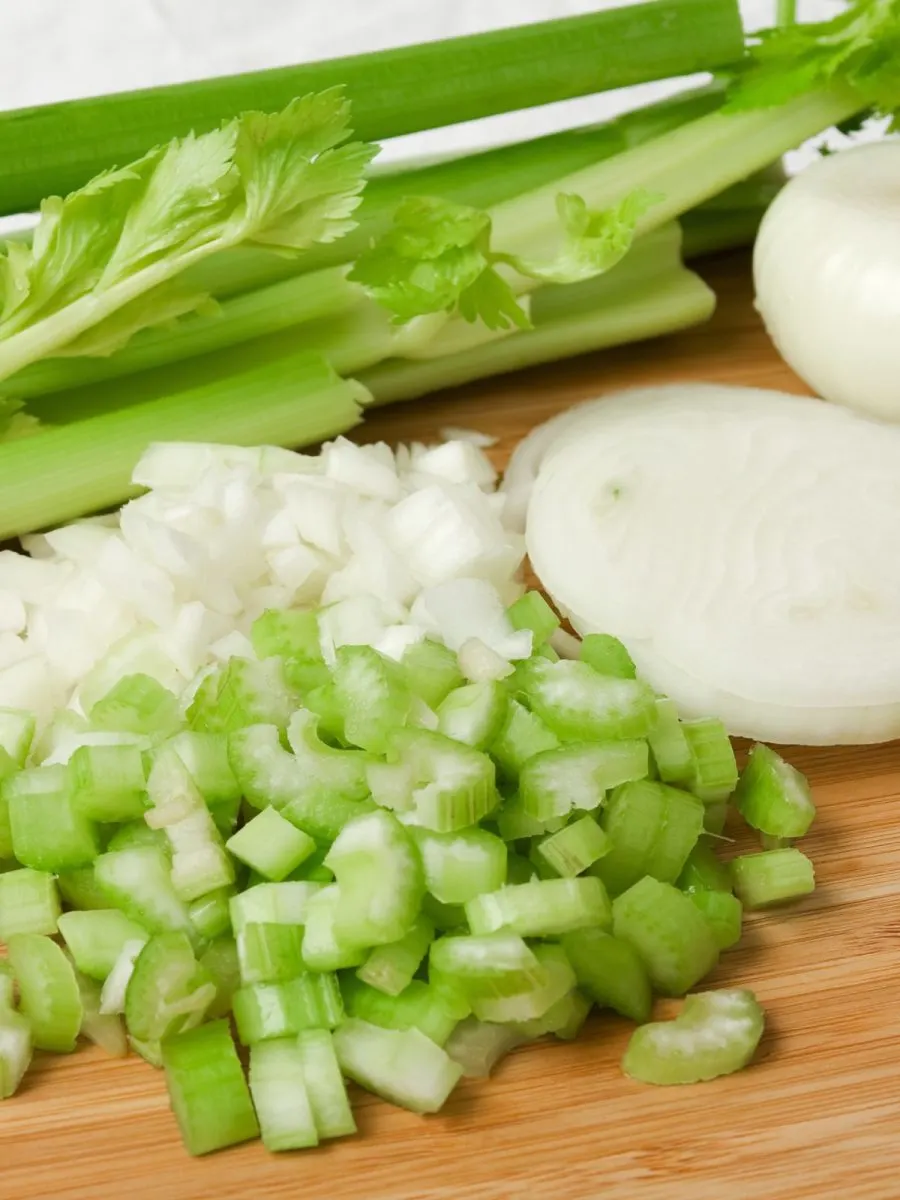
{"x": 827, "y": 275}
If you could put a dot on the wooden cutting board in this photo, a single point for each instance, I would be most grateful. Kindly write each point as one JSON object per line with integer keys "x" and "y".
{"x": 817, "y": 1117}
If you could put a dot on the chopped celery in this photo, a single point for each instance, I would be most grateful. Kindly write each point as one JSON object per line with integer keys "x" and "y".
{"x": 514, "y": 823}
{"x": 555, "y": 980}
{"x": 220, "y": 961}
{"x": 715, "y": 1034}
{"x": 460, "y": 866}
{"x": 669, "y": 744}
{"x": 270, "y": 953}
{"x": 242, "y": 692}
{"x": 48, "y": 991}
{"x": 703, "y": 871}
{"x": 772, "y": 877}
{"x": 576, "y": 776}
{"x": 15, "y": 1039}
{"x": 474, "y": 714}
{"x": 103, "y": 1029}
{"x": 403, "y": 1066}
{"x": 453, "y": 785}
{"x": 432, "y": 671}
{"x": 652, "y": 829}
{"x": 112, "y": 995}
{"x": 541, "y": 908}
{"x": 574, "y": 848}
{"x": 521, "y": 736}
{"x": 579, "y": 703}
{"x": 419, "y": 1006}
{"x": 478, "y": 1046}
{"x": 280, "y": 1098}
{"x": 274, "y": 1010}
{"x": 391, "y": 967}
{"x": 79, "y": 889}
{"x": 168, "y": 990}
{"x": 323, "y": 949}
{"x": 317, "y": 788}
{"x": 607, "y": 656}
{"x": 207, "y": 1089}
{"x": 518, "y": 868}
{"x": 273, "y": 904}
{"x": 715, "y": 772}
{"x": 324, "y": 1084}
{"x": 724, "y": 912}
{"x": 443, "y": 916}
{"x": 108, "y": 782}
{"x": 29, "y": 903}
{"x": 271, "y": 845}
{"x": 138, "y": 882}
{"x": 372, "y": 695}
{"x": 610, "y": 970}
{"x": 380, "y": 880}
{"x": 564, "y": 1019}
{"x": 206, "y": 757}
{"x": 669, "y": 932}
{"x": 137, "y": 704}
{"x": 286, "y": 633}
{"x": 715, "y": 817}
{"x": 532, "y": 611}
{"x": 48, "y": 833}
{"x": 139, "y": 833}
{"x": 95, "y": 939}
{"x": 494, "y": 964}
{"x": 16, "y": 734}
{"x": 773, "y": 797}
{"x": 209, "y": 913}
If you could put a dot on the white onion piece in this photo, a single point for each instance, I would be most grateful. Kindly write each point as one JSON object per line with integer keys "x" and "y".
{"x": 827, "y": 274}
{"x": 745, "y": 545}
{"x": 470, "y": 608}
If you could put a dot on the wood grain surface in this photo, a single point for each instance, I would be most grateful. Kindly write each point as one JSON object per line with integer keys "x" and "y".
{"x": 817, "y": 1117}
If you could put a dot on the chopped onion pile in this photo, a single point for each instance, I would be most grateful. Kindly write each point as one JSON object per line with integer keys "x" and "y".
{"x": 743, "y": 544}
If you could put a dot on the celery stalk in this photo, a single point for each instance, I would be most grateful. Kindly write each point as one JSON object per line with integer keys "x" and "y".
{"x": 397, "y": 91}
{"x": 403, "y": 1066}
{"x": 48, "y": 992}
{"x": 64, "y": 472}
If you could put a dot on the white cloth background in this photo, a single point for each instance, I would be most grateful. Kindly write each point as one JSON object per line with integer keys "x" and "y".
{"x": 58, "y": 49}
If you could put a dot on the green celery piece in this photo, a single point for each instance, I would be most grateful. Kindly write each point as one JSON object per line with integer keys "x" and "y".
{"x": 474, "y": 714}
{"x": 137, "y": 704}
{"x": 242, "y": 692}
{"x": 79, "y": 889}
{"x": 220, "y": 961}
{"x": 95, "y": 939}
{"x": 486, "y": 966}
{"x": 108, "y": 782}
{"x": 29, "y": 903}
{"x": 168, "y": 991}
{"x": 607, "y": 656}
{"x": 280, "y": 1098}
{"x": 209, "y": 913}
{"x": 703, "y": 871}
{"x": 103, "y": 1029}
{"x": 102, "y": 261}
{"x": 270, "y": 953}
{"x": 286, "y": 633}
{"x": 7, "y": 770}
{"x": 200, "y": 863}
{"x": 576, "y": 776}
{"x": 578, "y": 703}
{"x": 418, "y": 1006}
{"x": 671, "y": 935}
{"x": 323, "y": 949}
{"x": 772, "y": 877}
{"x": 273, "y": 904}
{"x": 380, "y": 879}
{"x": 290, "y": 398}
{"x": 479, "y": 1045}
{"x": 715, "y": 773}
{"x": 541, "y": 908}
{"x": 271, "y": 845}
{"x": 715, "y": 1034}
{"x": 574, "y": 848}
{"x": 274, "y": 1010}
{"x": 48, "y": 991}
{"x": 317, "y": 787}
{"x": 669, "y": 744}
{"x": 564, "y": 1019}
{"x": 138, "y": 881}
{"x": 15, "y": 1039}
{"x": 445, "y": 917}
{"x": 17, "y": 728}
{"x": 390, "y": 967}
{"x": 432, "y": 671}
{"x": 652, "y": 829}
{"x": 48, "y": 833}
{"x": 372, "y": 696}
{"x": 403, "y": 1066}
{"x": 515, "y": 824}
{"x": 207, "y": 1089}
{"x": 556, "y": 980}
{"x": 460, "y": 866}
{"x": 453, "y": 785}
{"x": 206, "y": 757}
{"x": 324, "y": 1084}
{"x": 532, "y": 611}
{"x": 138, "y": 833}
{"x": 725, "y": 915}
{"x": 714, "y": 818}
{"x": 610, "y": 970}
{"x": 522, "y": 736}
{"x": 773, "y": 797}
